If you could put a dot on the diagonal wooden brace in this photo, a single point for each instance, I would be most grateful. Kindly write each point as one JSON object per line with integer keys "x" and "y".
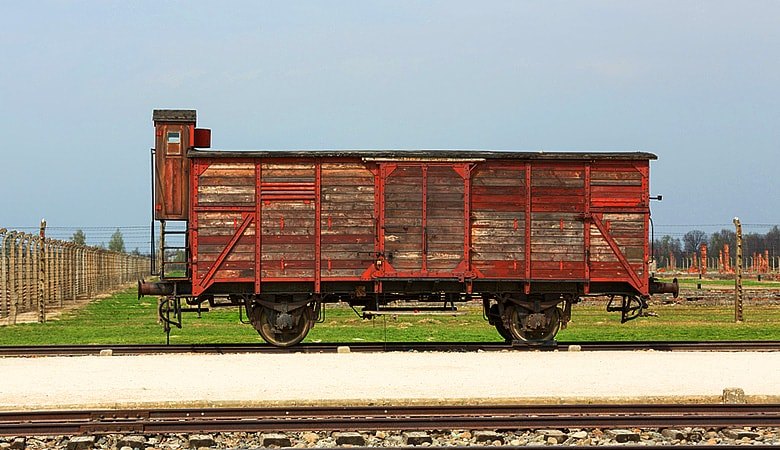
{"x": 221, "y": 258}
{"x": 635, "y": 281}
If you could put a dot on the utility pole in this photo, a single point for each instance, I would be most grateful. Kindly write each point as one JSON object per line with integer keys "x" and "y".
{"x": 738, "y": 293}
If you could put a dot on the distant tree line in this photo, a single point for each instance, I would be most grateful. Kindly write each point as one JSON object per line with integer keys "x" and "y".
{"x": 115, "y": 244}
{"x": 691, "y": 241}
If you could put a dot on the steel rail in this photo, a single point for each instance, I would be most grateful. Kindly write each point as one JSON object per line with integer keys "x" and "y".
{"x": 561, "y": 447}
{"x": 129, "y": 349}
{"x": 387, "y": 418}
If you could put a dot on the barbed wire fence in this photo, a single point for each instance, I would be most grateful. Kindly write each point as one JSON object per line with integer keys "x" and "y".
{"x": 41, "y": 273}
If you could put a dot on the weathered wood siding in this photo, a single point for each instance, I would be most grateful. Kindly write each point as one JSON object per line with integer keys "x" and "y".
{"x": 617, "y": 185}
{"x": 445, "y": 221}
{"x": 288, "y": 218}
{"x": 232, "y": 185}
{"x": 226, "y": 184}
{"x": 627, "y": 230}
{"x": 171, "y": 183}
{"x": 498, "y": 199}
{"x": 347, "y": 220}
{"x": 215, "y": 231}
{"x": 618, "y": 189}
{"x": 528, "y": 220}
{"x": 557, "y": 226}
{"x": 403, "y": 189}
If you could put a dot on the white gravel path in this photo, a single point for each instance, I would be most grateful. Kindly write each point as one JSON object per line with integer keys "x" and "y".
{"x": 387, "y": 378}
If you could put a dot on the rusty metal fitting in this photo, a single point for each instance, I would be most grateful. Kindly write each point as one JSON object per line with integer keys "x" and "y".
{"x": 150, "y": 288}
{"x": 658, "y": 287}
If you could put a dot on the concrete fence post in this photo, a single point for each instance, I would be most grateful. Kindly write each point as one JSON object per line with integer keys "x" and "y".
{"x": 22, "y": 272}
{"x": 3, "y": 274}
{"x": 72, "y": 264}
{"x": 49, "y": 276}
{"x": 61, "y": 271}
{"x": 42, "y": 272}
{"x": 13, "y": 271}
{"x": 738, "y": 292}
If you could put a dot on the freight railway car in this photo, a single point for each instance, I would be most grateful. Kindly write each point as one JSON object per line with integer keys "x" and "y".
{"x": 280, "y": 233}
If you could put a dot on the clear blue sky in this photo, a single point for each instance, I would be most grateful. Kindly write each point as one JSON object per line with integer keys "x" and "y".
{"x": 696, "y": 82}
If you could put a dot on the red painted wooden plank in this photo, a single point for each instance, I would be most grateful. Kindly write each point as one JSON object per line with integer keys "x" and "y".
{"x": 635, "y": 281}
{"x": 204, "y": 283}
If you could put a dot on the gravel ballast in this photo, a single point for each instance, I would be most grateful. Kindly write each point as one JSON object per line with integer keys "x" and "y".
{"x": 573, "y": 437}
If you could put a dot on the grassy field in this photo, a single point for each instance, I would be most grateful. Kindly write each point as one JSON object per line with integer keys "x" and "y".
{"x": 690, "y": 283}
{"x": 122, "y": 319}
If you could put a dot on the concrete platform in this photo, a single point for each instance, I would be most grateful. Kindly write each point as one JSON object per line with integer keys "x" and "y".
{"x": 387, "y": 378}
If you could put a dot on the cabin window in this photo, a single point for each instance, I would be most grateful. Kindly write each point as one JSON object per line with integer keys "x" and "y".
{"x": 173, "y": 143}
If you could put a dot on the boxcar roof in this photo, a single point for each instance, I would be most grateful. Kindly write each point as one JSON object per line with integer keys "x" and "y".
{"x": 421, "y": 154}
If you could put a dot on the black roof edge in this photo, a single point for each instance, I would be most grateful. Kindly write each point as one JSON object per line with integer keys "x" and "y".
{"x": 459, "y": 154}
{"x": 174, "y": 115}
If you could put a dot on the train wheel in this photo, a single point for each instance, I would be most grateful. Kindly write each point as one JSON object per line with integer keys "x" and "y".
{"x": 284, "y": 329}
{"x": 495, "y": 319}
{"x": 533, "y": 327}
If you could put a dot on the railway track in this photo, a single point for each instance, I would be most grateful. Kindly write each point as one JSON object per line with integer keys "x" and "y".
{"x": 83, "y": 350}
{"x": 150, "y": 421}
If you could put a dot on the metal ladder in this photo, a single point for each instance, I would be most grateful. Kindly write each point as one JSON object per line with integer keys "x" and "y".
{"x": 167, "y": 267}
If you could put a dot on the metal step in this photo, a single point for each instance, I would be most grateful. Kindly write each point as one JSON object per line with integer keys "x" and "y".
{"x": 403, "y": 311}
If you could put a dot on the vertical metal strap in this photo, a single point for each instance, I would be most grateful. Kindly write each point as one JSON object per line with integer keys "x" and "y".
{"x": 586, "y": 228}
{"x": 528, "y": 254}
{"x": 424, "y": 246}
{"x": 380, "y": 208}
{"x": 644, "y": 170}
{"x": 162, "y": 249}
{"x": 467, "y": 215}
{"x": 317, "y": 224}
{"x": 258, "y": 227}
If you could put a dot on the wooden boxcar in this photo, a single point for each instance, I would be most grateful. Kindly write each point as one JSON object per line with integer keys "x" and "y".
{"x": 279, "y": 233}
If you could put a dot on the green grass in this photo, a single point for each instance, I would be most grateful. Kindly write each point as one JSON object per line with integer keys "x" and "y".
{"x": 726, "y": 283}
{"x": 122, "y": 319}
